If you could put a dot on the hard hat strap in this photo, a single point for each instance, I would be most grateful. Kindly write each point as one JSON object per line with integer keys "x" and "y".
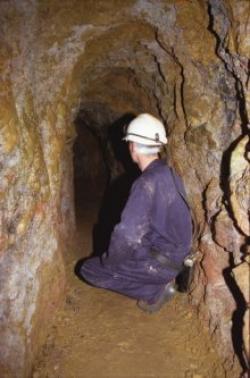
{"x": 157, "y": 139}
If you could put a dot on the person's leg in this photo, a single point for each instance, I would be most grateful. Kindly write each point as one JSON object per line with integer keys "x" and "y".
{"x": 138, "y": 281}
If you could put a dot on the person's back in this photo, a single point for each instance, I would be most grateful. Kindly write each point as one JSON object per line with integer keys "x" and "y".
{"x": 170, "y": 217}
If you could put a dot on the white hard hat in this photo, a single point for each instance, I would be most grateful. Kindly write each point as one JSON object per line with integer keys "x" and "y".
{"x": 147, "y": 130}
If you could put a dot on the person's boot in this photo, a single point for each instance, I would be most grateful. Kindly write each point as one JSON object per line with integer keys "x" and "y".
{"x": 167, "y": 294}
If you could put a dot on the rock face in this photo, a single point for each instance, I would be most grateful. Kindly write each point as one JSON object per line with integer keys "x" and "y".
{"x": 185, "y": 62}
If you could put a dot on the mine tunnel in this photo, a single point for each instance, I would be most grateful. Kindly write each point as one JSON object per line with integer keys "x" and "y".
{"x": 73, "y": 75}
{"x": 103, "y": 171}
{"x": 91, "y": 172}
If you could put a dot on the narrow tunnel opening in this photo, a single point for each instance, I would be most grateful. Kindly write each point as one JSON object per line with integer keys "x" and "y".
{"x": 90, "y": 169}
{"x": 103, "y": 176}
{"x": 109, "y": 61}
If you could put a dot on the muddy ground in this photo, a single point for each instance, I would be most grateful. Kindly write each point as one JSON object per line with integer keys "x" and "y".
{"x": 101, "y": 334}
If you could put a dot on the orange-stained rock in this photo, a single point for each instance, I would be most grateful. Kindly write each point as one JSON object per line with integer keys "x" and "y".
{"x": 186, "y": 63}
{"x": 242, "y": 278}
{"x": 240, "y": 184}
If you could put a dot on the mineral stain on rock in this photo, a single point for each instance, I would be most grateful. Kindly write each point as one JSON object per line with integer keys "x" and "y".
{"x": 99, "y": 61}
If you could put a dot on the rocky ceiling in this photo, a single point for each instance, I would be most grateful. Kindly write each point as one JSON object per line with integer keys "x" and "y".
{"x": 186, "y": 62}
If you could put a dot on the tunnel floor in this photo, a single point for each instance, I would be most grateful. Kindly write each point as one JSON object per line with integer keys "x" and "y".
{"x": 101, "y": 334}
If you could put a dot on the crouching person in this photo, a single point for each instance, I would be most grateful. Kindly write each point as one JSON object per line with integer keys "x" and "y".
{"x": 148, "y": 246}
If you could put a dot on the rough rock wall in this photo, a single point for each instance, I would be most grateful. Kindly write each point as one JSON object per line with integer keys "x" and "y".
{"x": 186, "y": 62}
{"x": 230, "y": 23}
{"x": 34, "y": 196}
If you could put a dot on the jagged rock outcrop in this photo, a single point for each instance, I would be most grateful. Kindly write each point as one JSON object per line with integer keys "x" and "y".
{"x": 186, "y": 62}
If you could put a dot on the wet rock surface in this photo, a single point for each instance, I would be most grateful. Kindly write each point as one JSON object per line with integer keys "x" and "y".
{"x": 185, "y": 62}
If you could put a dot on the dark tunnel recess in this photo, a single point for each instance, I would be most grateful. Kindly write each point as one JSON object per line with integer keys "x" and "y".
{"x": 90, "y": 170}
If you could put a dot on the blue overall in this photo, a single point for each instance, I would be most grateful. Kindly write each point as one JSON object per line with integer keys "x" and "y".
{"x": 155, "y": 218}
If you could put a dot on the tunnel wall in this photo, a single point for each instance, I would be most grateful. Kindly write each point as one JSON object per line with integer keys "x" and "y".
{"x": 36, "y": 195}
{"x": 123, "y": 57}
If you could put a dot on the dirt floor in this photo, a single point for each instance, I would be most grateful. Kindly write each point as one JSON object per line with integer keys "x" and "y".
{"x": 100, "y": 334}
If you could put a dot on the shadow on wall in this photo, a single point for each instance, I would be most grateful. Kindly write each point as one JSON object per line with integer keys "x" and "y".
{"x": 238, "y": 316}
{"x": 241, "y": 305}
{"x": 123, "y": 172}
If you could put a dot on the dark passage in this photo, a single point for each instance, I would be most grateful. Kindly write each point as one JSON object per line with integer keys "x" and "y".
{"x": 103, "y": 174}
